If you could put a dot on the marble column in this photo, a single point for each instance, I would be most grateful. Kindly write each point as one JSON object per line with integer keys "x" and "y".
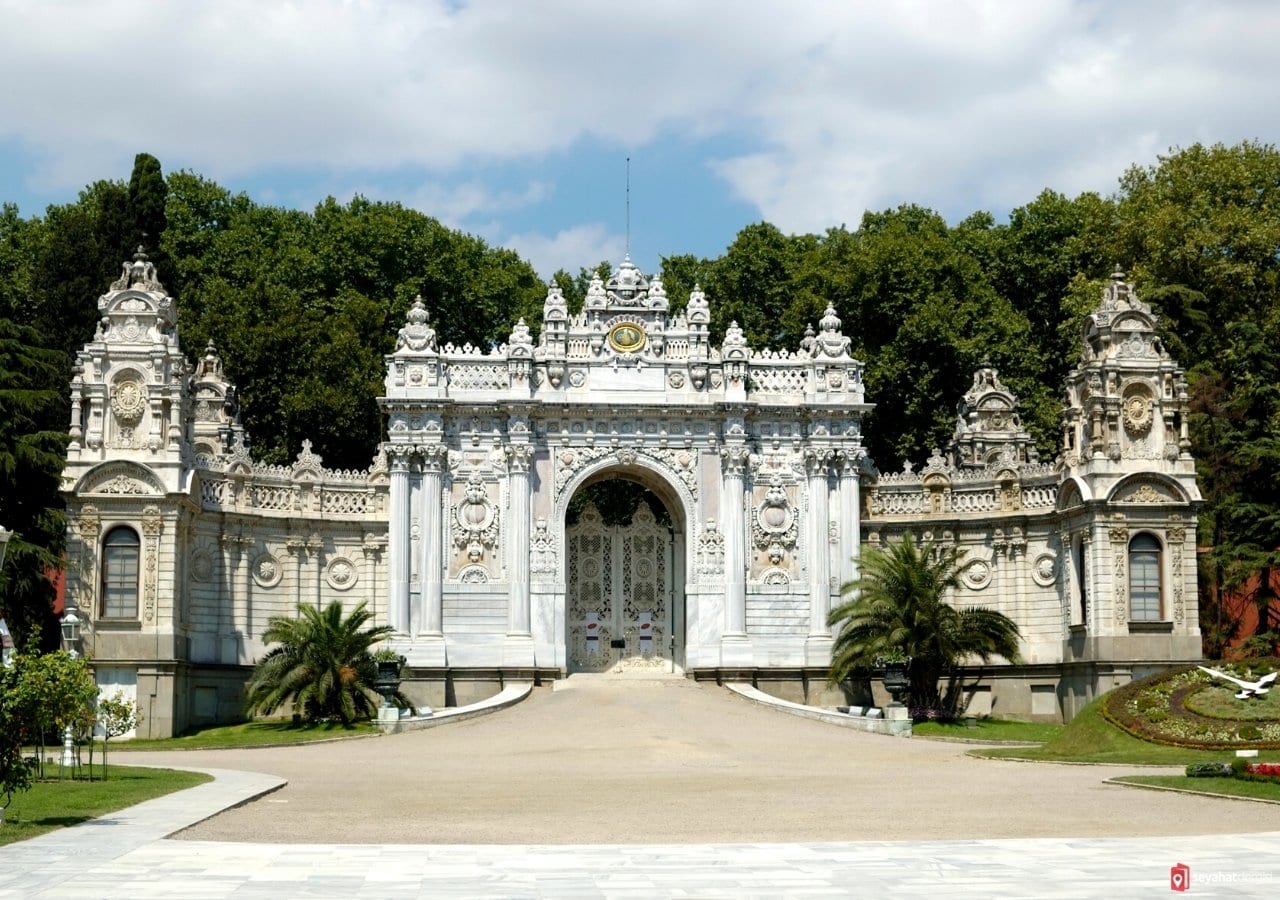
{"x": 398, "y": 551}
{"x": 430, "y": 618}
{"x": 518, "y": 648}
{"x": 850, "y": 515}
{"x": 818, "y": 644}
{"x": 518, "y": 457}
{"x": 735, "y": 646}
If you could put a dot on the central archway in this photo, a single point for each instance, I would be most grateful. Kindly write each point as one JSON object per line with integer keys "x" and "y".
{"x": 625, "y": 575}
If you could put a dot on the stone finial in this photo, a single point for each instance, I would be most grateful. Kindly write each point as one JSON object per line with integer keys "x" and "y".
{"x": 808, "y": 343}
{"x": 140, "y": 273}
{"x": 210, "y": 366}
{"x": 417, "y": 335}
{"x": 735, "y": 343}
{"x": 626, "y": 286}
{"x": 832, "y": 342}
{"x": 698, "y": 312}
{"x": 554, "y": 308}
{"x": 596, "y": 297}
{"x": 657, "y": 294}
{"x": 520, "y": 343}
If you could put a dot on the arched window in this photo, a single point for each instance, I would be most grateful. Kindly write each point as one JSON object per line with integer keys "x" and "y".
{"x": 120, "y": 552}
{"x": 1144, "y": 578}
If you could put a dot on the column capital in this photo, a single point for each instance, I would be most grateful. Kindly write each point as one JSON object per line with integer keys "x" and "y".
{"x": 434, "y": 456}
{"x": 398, "y": 456}
{"x": 849, "y": 461}
{"x": 818, "y": 460}
{"x": 519, "y": 457}
{"x": 735, "y": 458}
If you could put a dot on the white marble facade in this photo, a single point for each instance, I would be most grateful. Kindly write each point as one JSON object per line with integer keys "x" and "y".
{"x": 456, "y": 535}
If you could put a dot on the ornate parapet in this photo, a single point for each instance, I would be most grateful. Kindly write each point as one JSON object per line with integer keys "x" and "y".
{"x": 235, "y": 483}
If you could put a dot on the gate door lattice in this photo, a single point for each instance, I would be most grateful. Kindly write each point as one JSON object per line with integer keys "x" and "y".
{"x": 619, "y": 602}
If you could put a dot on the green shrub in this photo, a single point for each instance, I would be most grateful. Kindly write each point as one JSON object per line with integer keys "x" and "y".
{"x": 1249, "y": 733}
{"x": 1209, "y": 770}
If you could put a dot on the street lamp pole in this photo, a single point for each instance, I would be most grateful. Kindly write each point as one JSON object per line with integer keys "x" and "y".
{"x": 70, "y": 637}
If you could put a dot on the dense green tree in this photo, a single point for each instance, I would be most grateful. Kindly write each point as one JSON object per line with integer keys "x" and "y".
{"x": 32, "y": 454}
{"x": 324, "y": 665}
{"x": 900, "y": 605}
{"x": 148, "y": 194}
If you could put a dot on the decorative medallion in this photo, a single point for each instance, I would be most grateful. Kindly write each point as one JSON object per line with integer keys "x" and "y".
{"x": 128, "y": 401}
{"x": 1137, "y": 415}
{"x": 341, "y": 574}
{"x": 676, "y": 380}
{"x": 475, "y": 521}
{"x": 627, "y": 337}
{"x": 201, "y": 566}
{"x": 1045, "y": 569}
{"x": 976, "y": 575}
{"x": 775, "y": 529}
{"x": 267, "y": 571}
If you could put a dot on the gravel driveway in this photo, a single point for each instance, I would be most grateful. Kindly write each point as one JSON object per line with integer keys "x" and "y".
{"x": 672, "y": 761}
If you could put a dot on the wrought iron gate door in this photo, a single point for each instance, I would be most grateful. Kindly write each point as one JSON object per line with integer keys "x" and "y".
{"x": 619, "y": 598}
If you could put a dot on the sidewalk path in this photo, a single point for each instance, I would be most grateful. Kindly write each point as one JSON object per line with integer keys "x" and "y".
{"x": 382, "y": 817}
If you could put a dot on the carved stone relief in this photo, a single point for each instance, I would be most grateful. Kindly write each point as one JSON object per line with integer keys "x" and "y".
{"x": 475, "y": 521}
{"x": 774, "y": 528}
{"x": 267, "y": 571}
{"x": 710, "y": 550}
{"x": 342, "y": 574}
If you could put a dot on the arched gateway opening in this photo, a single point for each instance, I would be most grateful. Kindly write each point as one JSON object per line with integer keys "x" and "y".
{"x": 624, "y": 597}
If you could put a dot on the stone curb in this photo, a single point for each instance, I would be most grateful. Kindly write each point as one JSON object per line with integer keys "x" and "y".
{"x": 1176, "y": 790}
{"x": 858, "y": 723}
{"x": 508, "y": 696}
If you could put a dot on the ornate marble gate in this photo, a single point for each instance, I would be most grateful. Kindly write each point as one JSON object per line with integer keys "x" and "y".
{"x": 620, "y": 602}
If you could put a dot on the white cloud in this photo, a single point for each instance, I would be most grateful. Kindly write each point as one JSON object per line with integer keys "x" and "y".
{"x": 834, "y": 106}
{"x": 569, "y": 249}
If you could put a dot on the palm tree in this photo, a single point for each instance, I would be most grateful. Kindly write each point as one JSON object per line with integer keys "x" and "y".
{"x": 323, "y": 664}
{"x": 898, "y": 607}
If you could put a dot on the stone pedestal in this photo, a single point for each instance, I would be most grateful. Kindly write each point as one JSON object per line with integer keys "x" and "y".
{"x": 735, "y": 651}
{"x": 517, "y": 650}
{"x": 817, "y": 650}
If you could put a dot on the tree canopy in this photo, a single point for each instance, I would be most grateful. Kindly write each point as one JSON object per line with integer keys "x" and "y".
{"x": 302, "y": 305}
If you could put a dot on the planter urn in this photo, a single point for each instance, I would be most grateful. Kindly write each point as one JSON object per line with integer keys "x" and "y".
{"x": 895, "y": 680}
{"x": 387, "y": 681}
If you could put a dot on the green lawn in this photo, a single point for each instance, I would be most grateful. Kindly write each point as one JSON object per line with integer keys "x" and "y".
{"x": 1219, "y": 787}
{"x": 57, "y": 804}
{"x": 251, "y": 734}
{"x": 988, "y": 730}
{"x": 1090, "y": 738}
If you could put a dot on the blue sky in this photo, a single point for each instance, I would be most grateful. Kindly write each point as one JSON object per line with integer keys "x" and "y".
{"x": 513, "y": 120}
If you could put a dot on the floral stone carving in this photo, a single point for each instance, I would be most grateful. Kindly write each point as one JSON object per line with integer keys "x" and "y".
{"x": 775, "y": 529}
{"x": 475, "y": 521}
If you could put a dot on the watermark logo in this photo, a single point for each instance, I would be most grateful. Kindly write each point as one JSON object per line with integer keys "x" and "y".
{"x": 1179, "y": 877}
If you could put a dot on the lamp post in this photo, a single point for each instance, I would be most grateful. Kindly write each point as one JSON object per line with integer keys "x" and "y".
{"x": 4, "y": 630}
{"x": 70, "y": 638}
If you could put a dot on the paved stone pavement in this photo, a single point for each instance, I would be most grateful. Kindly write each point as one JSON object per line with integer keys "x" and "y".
{"x": 124, "y": 855}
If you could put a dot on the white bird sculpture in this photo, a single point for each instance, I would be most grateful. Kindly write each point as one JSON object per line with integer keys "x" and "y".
{"x": 1247, "y": 688}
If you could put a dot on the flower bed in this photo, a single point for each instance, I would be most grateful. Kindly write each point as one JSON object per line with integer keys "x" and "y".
{"x": 1187, "y": 707}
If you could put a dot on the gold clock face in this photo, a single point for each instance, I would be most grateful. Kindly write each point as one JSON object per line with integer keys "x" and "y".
{"x": 626, "y": 337}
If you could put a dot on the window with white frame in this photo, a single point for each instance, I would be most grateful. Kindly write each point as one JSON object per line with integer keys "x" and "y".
{"x": 120, "y": 554}
{"x": 1144, "y": 578}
